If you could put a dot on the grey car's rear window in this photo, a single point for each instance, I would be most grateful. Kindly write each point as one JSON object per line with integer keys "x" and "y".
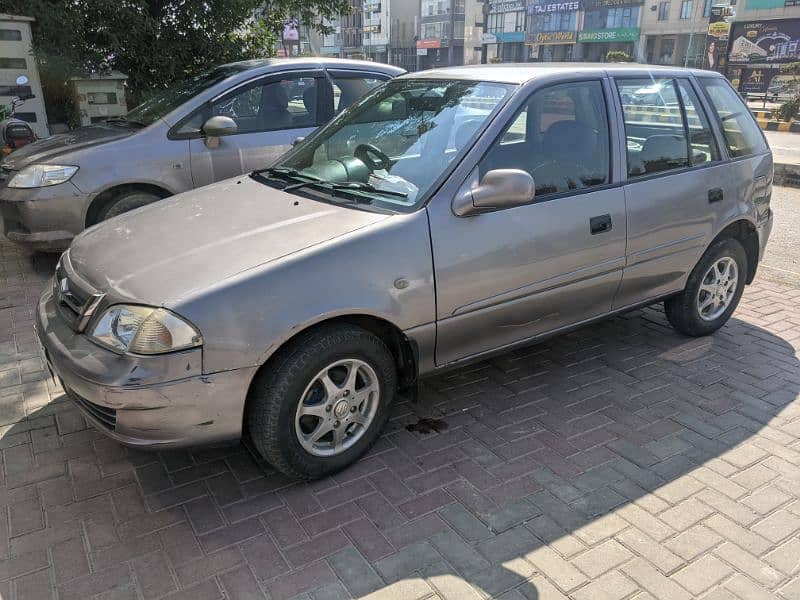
{"x": 742, "y": 134}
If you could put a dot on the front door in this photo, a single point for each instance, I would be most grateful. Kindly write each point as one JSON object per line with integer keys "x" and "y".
{"x": 270, "y": 114}
{"x": 510, "y": 275}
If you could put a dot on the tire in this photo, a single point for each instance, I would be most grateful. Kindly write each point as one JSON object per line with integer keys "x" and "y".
{"x": 285, "y": 389}
{"x": 125, "y": 202}
{"x": 683, "y": 311}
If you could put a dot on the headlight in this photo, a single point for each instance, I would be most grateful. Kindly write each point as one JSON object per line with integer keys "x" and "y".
{"x": 36, "y": 176}
{"x": 144, "y": 330}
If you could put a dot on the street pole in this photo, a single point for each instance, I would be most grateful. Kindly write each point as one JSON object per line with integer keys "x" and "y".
{"x": 691, "y": 32}
{"x": 484, "y": 46}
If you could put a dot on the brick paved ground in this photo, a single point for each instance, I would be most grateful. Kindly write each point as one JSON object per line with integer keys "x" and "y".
{"x": 619, "y": 461}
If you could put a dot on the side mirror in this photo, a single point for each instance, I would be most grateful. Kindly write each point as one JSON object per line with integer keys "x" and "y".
{"x": 499, "y": 189}
{"x": 297, "y": 140}
{"x": 219, "y": 126}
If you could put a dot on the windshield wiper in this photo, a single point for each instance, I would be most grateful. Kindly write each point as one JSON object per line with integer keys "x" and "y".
{"x": 286, "y": 173}
{"x": 367, "y": 187}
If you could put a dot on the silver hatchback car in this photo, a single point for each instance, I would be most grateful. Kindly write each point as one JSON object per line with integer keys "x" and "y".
{"x": 225, "y": 122}
{"x": 445, "y": 216}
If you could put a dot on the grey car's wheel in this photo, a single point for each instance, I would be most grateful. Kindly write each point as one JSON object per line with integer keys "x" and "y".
{"x": 125, "y": 202}
{"x": 322, "y": 402}
{"x": 712, "y": 291}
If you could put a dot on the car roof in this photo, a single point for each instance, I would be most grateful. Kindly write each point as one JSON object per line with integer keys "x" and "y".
{"x": 265, "y": 65}
{"x": 519, "y": 73}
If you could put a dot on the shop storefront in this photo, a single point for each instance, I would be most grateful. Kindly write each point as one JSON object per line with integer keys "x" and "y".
{"x": 609, "y": 25}
{"x": 552, "y": 30}
{"x": 505, "y": 30}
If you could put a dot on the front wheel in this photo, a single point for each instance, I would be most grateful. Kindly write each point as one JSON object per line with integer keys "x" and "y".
{"x": 323, "y": 402}
{"x": 712, "y": 291}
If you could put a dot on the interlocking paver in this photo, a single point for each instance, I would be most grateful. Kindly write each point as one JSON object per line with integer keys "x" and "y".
{"x": 618, "y": 461}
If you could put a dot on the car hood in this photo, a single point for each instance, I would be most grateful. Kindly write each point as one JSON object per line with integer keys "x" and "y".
{"x": 49, "y": 149}
{"x": 165, "y": 251}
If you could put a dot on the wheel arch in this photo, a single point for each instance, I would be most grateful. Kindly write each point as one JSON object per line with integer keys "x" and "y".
{"x": 101, "y": 200}
{"x": 744, "y": 231}
{"x": 403, "y": 349}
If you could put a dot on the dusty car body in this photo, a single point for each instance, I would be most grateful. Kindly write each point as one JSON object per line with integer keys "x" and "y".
{"x": 309, "y": 292}
{"x": 170, "y": 143}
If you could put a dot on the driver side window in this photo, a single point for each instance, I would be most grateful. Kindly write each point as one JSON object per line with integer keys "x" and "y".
{"x": 560, "y": 136}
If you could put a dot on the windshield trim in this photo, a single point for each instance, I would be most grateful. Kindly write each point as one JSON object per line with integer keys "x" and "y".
{"x": 433, "y": 189}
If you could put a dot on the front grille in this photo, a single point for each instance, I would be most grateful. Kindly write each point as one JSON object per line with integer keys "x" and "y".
{"x": 106, "y": 416}
{"x": 76, "y": 301}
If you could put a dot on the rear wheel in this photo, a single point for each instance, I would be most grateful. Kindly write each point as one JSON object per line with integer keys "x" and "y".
{"x": 125, "y": 202}
{"x": 323, "y": 402}
{"x": 712, "y": 291}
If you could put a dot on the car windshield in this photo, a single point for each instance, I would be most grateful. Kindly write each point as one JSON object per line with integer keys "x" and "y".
{"x": 165, "y": 101}
{"x": 391, "y": 146}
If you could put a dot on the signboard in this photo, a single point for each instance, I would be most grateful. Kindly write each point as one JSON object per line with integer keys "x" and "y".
{"x": 551, "y": 37}
{"x": 764, "y": 42}
{"x": 422, "y": 52}
{"x": 767, "y": 4}
{"x": 488, "y": 38}
{"x": 551, "y": 7}
{"x": 757, "y": 80}
{"x": 506, "y": 6}
{"x": 372, "y": 28}
{"x": 509, "y": 36}
{"x": 719, "y": 28}
{"x": 623, "y": 34}
{"x": 429, "y": 43}
{"x": 594, "y": 4}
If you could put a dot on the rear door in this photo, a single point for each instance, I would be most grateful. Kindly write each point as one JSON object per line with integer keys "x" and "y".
{"x": 269, "y": 112}
{"x": 510, "y": 275}
{"x": 675, "y": 183}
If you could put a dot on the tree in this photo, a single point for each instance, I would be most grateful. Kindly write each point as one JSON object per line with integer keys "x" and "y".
{"x": 156, "y": 42}
{"x": 618, "y": 56}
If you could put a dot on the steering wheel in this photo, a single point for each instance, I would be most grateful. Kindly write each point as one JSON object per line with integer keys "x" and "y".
{"x": 365, "y": 152}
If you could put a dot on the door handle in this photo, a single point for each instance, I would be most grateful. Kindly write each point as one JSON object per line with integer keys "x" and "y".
{"x": 715, "y": 195}
{"x": 600, "y": 224}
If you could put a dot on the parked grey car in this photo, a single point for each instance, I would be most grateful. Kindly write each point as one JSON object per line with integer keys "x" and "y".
{"x": 446, "y": 216}
{"x": 228, "y": 121}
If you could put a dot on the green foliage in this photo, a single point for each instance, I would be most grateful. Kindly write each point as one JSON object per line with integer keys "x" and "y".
{"x": 792, "y": 68}
{"x": 156, "y": 42}
{"x": 788, "y": 111}
{"x": 618, "y": 56}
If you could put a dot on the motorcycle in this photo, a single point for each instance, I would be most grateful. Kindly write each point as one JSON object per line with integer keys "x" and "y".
{"x": 15, "y": 133}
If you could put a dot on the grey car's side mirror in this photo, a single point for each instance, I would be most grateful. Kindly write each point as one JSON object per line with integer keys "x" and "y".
{"x": 297, "y": 140}
{"x": 217, "y": 127}
{"x": 498, "y": 189}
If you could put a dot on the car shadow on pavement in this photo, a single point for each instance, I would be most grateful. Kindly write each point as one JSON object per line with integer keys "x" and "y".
{"x": 612, "y": 447}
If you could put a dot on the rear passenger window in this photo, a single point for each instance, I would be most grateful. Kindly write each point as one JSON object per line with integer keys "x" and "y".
{"x": 654, "y": 130}
{"x": 742, "y": 134}
{"x": 347, "y": 90}
{"x": 701, "y": 140}
{"x": 560, "y": 137}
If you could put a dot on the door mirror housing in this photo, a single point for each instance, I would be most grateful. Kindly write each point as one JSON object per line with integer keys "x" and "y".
{"x": 297, "y": 140}
{"x": 219, "y": 126}
{"x": 498, "y": 189}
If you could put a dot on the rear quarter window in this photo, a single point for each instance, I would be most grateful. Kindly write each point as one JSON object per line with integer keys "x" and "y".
{"x": 742, "y": 134}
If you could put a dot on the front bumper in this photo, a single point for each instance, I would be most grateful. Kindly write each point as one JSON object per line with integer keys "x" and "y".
{"x": 143, "y": 401}
{"x": 43, "y": 218}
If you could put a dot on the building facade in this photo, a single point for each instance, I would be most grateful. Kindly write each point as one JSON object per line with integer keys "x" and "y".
{"x": 440, "y": 40}
{"x": 17, "y": 59}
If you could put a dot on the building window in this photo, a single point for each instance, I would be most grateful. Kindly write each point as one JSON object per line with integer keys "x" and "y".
{"x": 686, "y": 9}
{"x": 707, "y": 9}
{"x": 458, "y": 29}
{"x": 432, "y": 31}
{"x": 663, "y": 11}
{"x": 434, "y": 7}
{"x": 101, "y": 98}
{"x": 10, "y": 35}
{"x": 12, "y": 63}
{"x": 557, "y": 21}
{"x": 458, "y": 7}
